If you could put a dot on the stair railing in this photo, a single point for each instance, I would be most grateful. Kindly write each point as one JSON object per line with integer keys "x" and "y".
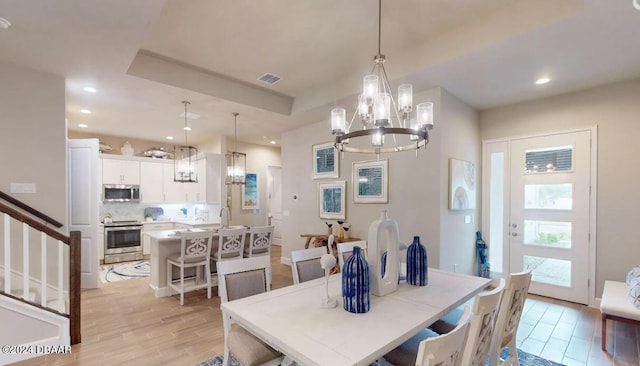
{"x": 52, "y": 243}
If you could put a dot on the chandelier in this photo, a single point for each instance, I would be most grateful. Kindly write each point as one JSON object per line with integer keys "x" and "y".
{"x": 374, "y": 110}
{"x": 184, "y": 163}
{"x": 236, "y": 161}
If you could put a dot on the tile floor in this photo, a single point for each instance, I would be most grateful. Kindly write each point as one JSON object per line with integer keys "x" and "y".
{"x": 570, "y": 334}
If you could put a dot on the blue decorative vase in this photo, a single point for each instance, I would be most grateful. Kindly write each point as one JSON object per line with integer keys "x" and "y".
{"x": 356, "y": 294}
{"x": 417, "y": 263}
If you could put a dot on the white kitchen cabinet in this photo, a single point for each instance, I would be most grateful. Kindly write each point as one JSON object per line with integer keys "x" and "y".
{"x": 197, "y": 192}
{"x": 173, "y": 191}
{"x": 117, "y": 171}
{"x": 152, "y": 181}
{"x": 152, "y": 226}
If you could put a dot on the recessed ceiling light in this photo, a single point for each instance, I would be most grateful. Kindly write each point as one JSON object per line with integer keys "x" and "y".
{"x": 89, "y": 89}
{"x": 169, "y": 137}
{"x": 272, "y": 142}
{"x": 542, "y": 81}
{"x": 83, "y": 125}
{"x": 4, "y": 24}
{"x": 85, "y": 111}
{"x": 187, "y": 128}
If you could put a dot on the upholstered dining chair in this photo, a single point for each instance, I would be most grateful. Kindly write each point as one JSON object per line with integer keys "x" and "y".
{"x": 515, "y": 293}
{"x": 259, "y": 241}
{"x": 195, "y": 248}
{"x": 230, "y": 245}
{"x": 430, "y": 349}
{"x": 345, "y": 249}
{"x": 237, "y": 279}
{"x": 305, "y": 264}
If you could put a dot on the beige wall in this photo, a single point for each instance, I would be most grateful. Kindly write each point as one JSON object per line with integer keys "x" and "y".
{"x": 116, "y": 142}
{"x": 614, "y": 109}
{"x": 460, "y": 140}
{"x": 259, "y": 157}
{"x": 33, "y": 138}
{"x": 418, "y": 186}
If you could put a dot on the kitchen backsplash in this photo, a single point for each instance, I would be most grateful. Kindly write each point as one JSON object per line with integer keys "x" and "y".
{"x": 135, "y": 211}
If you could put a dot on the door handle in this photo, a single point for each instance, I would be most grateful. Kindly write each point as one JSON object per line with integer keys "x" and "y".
{"x": 514, "y": 234}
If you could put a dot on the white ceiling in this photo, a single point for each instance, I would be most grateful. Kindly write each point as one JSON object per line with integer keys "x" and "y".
{"x": 146, "y": 56}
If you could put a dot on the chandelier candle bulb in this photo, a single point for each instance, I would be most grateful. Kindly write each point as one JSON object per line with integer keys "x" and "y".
{"x": 338, "y": 120}
{"x": 405, "y": 98}
{"x": 382, "y": 111}
{"x": 425, "y": 114}
{"x": 370, "y": 87}
{"x": 377, "y": 140}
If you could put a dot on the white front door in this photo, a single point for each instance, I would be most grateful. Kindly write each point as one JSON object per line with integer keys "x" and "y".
{"x": 549, "y": 221}
{"x": 274, "y": 203}
{"x": 82, "y": 166}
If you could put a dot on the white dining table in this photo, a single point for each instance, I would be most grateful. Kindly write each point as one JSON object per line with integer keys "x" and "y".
{"x": 292, "y": 321}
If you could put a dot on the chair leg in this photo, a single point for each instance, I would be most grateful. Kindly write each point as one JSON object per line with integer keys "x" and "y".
{"x": 603, "y": 345}
{"x": 513, "y": 353}
{"x": 225, "y": 361}
{"x": 181, "y": 285}
{"x": 207, "y": 271}
{"x": 169, "y": 268}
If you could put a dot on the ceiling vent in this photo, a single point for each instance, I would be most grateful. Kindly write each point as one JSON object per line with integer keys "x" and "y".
{"x": 269, "y": 78}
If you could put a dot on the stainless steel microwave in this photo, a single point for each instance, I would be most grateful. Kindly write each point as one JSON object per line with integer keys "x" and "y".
{"x": 120, "y": 193}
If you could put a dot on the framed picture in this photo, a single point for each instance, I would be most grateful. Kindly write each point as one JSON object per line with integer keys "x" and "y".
{"x": 462, "y": 185}
{"x": 371, "y": 181}
{"x": 325, "y": 161}
{"x": 250, "y": 199}
{"x": 332, "y": 200}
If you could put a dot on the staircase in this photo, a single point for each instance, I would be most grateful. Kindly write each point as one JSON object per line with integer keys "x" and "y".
{"x": 39, "y": 281}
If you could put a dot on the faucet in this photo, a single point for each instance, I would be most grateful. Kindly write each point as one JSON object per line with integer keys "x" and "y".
{"x": 225, "y": 217}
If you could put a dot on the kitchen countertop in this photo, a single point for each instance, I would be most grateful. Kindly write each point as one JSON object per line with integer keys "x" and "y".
{"x": 190, "y": 222}
{"x": 165, "y": 235}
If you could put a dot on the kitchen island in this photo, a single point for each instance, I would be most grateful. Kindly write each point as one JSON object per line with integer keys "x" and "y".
{"x": 164, "y": 243}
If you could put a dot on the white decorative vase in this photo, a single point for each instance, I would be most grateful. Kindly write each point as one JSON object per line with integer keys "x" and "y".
{"x": 383, "y": 237}
{"x": 127, "y": 149}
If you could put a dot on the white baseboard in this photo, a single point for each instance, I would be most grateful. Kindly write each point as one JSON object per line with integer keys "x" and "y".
{"x": 285, "y": 260}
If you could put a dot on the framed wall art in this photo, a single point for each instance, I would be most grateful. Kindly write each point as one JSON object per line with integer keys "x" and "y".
{"x": 371, "y": 181}
{"x": 325, "y": 161}
{"x": 250, "y": 198}
{"x": 332, "y": 200}
{"x": 462, "y": 185}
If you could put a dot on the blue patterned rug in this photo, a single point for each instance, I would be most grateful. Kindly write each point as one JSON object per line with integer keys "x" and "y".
{"x": 526, "y": 359}
{"x": 124, "y": 271}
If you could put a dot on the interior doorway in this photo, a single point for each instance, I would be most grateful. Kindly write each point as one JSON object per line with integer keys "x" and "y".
{"x": 539, "y": 211}
{"x": 274, "y": 202}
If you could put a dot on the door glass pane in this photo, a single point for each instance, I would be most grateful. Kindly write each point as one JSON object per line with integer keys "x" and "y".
{"x": 555, "y": 234}
{"x": 555, "y": 159}
{"x": 548, "y": 196}
{"x": 549, "y": 270}
{"x": 496, "y": 212}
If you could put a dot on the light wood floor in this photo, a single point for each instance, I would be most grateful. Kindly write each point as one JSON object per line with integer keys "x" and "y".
{"x": 124, "y": 324}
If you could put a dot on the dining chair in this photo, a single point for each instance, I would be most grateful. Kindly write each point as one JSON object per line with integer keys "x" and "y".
{"x": 305, "y": 264}
{"x": 195, "y": 249}
{"x": 451, "y": 319}
{"x": 259, "y": 241}
{"x": 481, "y": 328}
{"x": 230, "y": 245}
{"x": 430, "y": 349}
{"x": 513, "y": 298}
{"x": 237, "y": 279}
{"x": 345, "y": 249}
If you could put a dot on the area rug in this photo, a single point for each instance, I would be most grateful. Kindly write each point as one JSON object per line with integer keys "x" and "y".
{"x": 124, "y": 271}
{"x": 526, "y": 359}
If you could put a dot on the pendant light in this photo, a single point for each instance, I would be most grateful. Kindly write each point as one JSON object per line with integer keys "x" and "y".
{"x": 236, "y": 161}
{"x": 184, "y": 163}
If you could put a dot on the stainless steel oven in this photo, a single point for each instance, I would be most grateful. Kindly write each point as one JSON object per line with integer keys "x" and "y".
{"x": 122, "y": 241}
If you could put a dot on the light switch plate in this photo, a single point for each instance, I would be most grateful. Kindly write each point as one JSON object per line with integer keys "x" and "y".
{"x": 23, "y": 188}
{"x": 467, "y": 219}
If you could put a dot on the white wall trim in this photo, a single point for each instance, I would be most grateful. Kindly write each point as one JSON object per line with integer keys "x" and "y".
{"x": 285, "y": 260}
